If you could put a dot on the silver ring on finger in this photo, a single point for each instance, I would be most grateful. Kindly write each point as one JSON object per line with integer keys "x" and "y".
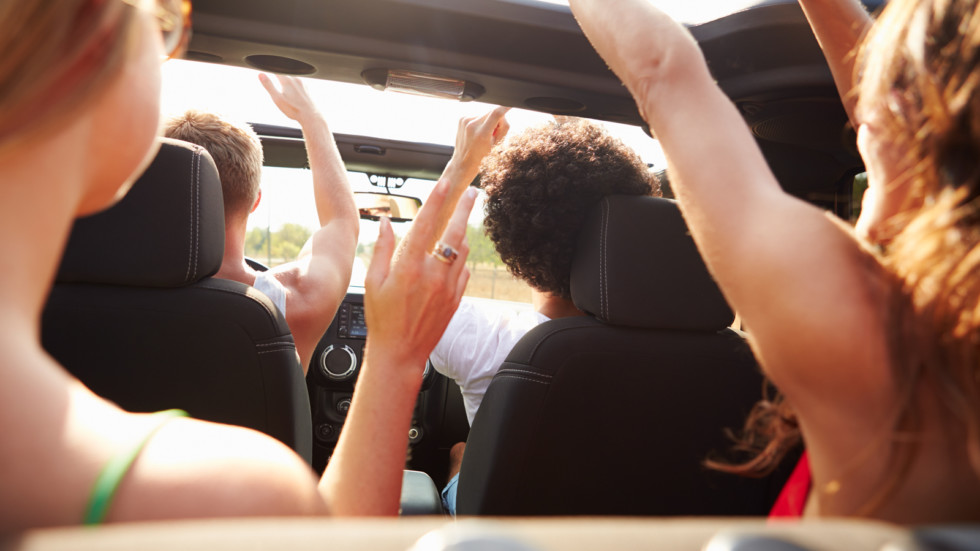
{"x": 444, "y": 253}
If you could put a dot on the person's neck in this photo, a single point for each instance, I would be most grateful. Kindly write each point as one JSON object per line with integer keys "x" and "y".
{"x": 553, "y": 307}
{"x": 233, "y": 264}
{"x": 39, "y": 199}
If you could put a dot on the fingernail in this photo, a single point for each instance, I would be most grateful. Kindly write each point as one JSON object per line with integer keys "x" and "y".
{"x": 383, "y": 225}
{"x": 471, "y": 192}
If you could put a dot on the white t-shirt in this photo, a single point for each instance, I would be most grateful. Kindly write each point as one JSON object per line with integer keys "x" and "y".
{"x": 270, "y": 287}
{"x": 477, "y": 340}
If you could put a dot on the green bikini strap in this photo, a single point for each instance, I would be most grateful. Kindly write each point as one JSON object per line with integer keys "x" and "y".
{"x": 115, "y": 470}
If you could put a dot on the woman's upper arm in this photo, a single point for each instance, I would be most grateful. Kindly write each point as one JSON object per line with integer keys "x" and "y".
{"x": 839, "y": 26}
{"x": 192, "y": 469}
{"x": 796, "y": 278}
{"x": 799, "y": 280}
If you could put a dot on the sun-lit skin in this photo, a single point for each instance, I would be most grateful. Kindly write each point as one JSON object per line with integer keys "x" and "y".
{"x": 815, "y": 298}
{"x": 58, "y": 435}
{"x": 689, "y": 11}
{"x": 138, "y": 95}
{"x": 888, "y": 192}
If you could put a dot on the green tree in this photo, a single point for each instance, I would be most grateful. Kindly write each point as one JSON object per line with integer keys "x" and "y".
{"x": 255, "y": 243}
{"x": 286, "y": 243}
{"x": 481, "y": 248}
{"x": 294, "y": 234}
{"x": 289, "y": 241}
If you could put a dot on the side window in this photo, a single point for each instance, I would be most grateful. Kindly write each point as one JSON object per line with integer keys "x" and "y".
{"x": 489, "y": 277}
{"x": 857, "y": 194}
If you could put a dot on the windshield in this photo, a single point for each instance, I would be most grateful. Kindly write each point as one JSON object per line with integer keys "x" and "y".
{"x": 286, "y": 215}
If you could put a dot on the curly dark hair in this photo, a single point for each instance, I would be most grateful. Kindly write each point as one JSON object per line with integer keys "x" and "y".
{"x": 540, "y": 186}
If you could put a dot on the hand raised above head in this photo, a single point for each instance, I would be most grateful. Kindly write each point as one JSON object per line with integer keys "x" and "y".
{"x": 293, "y": 99}
{"x": 476, "y": 136}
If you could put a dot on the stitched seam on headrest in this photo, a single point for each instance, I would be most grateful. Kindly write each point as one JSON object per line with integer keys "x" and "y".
{"x": 270, "y": 312}
{"x": 509, "y": 370}
{"x": 277, "y": 343}
{"x": 603, "y": 275}
{"x": 502, "y": 375}
{"x": 190, "y": 245}
{"x": 197, "y": 210}
{"x": 277, "y": 350}
{"x": 545, "y": 337}
{"x": 602, "y": 215}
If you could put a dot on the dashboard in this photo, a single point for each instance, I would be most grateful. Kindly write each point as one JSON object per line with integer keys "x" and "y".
{"x": 439, "y": 419}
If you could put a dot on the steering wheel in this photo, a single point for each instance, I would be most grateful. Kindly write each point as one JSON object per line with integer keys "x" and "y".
{"x": 256, "y": 265}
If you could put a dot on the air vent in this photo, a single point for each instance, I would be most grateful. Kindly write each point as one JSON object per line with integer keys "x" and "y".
{"x": 278, "y": 64}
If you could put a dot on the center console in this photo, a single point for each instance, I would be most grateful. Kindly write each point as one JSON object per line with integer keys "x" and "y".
{"x": 438, "y": 420}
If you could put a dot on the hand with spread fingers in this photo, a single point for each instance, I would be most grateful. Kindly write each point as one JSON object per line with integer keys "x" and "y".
{"x": 408, "y": 303}
{"x": 291, "y": 98}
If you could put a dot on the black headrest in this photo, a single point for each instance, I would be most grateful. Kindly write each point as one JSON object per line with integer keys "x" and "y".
{"x": 636, "y": 265}
{"x": 168, "y": 231}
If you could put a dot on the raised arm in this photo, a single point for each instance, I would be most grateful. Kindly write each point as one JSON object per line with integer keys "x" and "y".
{"x": 191, "y": 469}
{"x": 474, "y": 138}
{"x": 780, "y": 262}
{"x": 317, "y": 281}
{"x": 408, "y": 304}
{"x": 839, "y": 26}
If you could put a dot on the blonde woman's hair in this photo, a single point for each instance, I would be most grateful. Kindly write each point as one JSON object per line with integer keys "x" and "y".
{"x": 922, "y": 77}
{"x": 56, "y": 56}
{"x": 236, "y": 150}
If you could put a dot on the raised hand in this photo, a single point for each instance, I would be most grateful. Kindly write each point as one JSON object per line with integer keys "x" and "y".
{"x": 474, "y": 139}
{"x": 408, "y": 303}
{"x": 292, "y": 99}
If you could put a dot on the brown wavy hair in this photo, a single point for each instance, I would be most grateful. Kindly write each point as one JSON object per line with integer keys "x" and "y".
{"x": 921, "y": 76}
{"x": 57, "y": 56}
{"x": 540, "y": 186}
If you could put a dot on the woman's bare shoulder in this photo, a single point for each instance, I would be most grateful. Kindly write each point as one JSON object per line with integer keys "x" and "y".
{"x": 192, "y": 469}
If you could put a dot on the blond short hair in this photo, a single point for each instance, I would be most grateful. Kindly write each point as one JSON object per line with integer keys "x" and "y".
{"x": 236, "y": 150}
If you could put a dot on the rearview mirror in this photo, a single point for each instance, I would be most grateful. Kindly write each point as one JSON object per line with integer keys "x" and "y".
{"x": 399, "y": 208}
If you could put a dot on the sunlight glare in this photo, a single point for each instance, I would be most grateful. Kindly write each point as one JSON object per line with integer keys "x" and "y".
{"x": 236, "y": 94}
{"x": 691, "y": 12}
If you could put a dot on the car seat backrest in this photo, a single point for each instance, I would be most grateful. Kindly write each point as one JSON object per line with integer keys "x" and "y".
{"x": 137, "y": 317}
{"x": 614, "y": 413}
{"x": 639, "y": 247}
{"x": 168, "y": 231}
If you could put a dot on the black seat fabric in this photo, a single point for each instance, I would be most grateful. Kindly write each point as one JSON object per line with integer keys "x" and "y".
{"x": 135, "y": 315}
{"x": 614, "y": 413}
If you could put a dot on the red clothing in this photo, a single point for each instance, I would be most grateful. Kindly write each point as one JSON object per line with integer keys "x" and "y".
{"x": 792, "y": 499}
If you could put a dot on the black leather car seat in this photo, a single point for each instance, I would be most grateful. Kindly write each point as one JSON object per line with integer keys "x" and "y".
{"x": 614, "y": 413}
{"x": 135, "y": 315}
